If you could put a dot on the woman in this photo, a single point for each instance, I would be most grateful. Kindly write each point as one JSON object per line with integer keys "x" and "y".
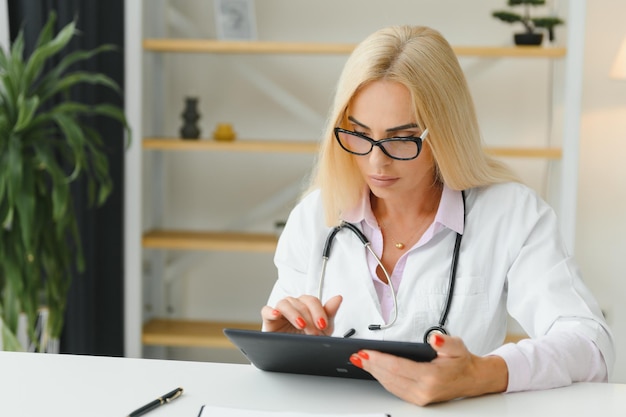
{"x": 402, "y": 159}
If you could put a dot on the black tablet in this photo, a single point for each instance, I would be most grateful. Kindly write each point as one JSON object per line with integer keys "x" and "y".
{"x": 317, "y": 355}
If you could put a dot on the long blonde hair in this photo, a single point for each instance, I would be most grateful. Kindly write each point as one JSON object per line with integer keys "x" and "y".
{"x": 423, "y": 61}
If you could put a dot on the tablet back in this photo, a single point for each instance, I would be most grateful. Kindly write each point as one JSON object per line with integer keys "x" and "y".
{"x": 317, "y": 355}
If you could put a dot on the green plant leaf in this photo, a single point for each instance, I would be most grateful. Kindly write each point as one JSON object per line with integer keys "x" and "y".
{"x": 50, "y": 79}
{"x": 75, "y": 137}
{"x": 70, "y": 80}
{"x": 36, "y": 61}
{"x": 25, "y": 207}
{"x": 26, "y": 110}
{"x": 9, "y": 98}
{"x": 9, "y": 340}
{"x": 14, "y": 170}
{"x": 47, "y": 32}
{"x": 3, "y": 61}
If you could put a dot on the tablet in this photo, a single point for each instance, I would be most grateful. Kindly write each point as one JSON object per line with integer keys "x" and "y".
{"x": 317, "y": 355}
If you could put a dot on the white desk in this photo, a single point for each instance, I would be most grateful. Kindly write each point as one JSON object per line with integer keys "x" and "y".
{"x": 36, "y": 385}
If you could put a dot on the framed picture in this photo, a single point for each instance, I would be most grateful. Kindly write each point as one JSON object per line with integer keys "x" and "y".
{"x": 235, "y": 19}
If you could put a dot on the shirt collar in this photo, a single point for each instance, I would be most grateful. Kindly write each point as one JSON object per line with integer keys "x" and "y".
{"x": 450, "y": 214}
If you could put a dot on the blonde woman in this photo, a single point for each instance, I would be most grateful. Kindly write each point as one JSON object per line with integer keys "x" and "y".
{"x": 455, "y": 242}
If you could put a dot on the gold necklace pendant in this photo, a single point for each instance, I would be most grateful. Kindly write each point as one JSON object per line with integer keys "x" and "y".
{"x": 399, "y": 245}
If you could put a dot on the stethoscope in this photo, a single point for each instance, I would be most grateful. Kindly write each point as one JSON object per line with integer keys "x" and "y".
{"x": 440, "y": 327}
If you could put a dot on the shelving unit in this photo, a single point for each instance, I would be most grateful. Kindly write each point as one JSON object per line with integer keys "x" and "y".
{"x": 260, "y": 47}
{"x": 168, "y": 332}
{"x": 242, "y": 145}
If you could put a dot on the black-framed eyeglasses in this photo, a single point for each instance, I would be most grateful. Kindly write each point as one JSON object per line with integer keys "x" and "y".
{"x": 400, "y": 148}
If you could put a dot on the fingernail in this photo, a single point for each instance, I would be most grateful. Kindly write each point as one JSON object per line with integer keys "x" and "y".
{"x": 275, "y": 312}
{"x": 356, "y": 361}
{"x": 300, "y": 322}
{"x": 363, "y": 354}
{"x": 437, "y": 340}
{"x": 321, "y": 323}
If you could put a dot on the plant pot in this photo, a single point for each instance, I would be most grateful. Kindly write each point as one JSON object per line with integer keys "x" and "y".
{"x": 528, "y": 38}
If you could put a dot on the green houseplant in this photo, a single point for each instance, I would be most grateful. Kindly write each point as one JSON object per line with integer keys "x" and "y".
{"x": 45, "y": 145}
{"x": 530, "y": 36}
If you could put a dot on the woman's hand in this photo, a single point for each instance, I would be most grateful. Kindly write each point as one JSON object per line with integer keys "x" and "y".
{"x": 454, "y": 373}
{"x": 304, "y": 314}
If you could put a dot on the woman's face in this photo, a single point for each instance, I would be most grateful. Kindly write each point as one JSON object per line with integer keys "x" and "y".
{"x": 383, "y": 109}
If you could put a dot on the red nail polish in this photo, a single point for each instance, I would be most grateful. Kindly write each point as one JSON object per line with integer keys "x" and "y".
{"x": 356, "y": 361}
{"x": 275, "y": 313}
{"x": 321, "y": 323}
{"x": 363, "y": 354}
{"x": 300, "y": 322}
{"x": 438, "y": 340}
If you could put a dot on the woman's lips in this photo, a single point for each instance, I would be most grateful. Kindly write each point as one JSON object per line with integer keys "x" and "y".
{"x": 382, "y": 180}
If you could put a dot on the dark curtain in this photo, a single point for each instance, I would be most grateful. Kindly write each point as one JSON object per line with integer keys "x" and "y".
{"x": 94, "y": 322}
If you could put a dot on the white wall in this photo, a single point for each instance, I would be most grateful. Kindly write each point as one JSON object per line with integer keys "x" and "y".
{"x": 222, "y": 190}
{"x": 601, "y": 233}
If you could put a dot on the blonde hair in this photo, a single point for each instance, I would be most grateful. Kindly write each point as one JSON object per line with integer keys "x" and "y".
{"x": 423, "y": 61}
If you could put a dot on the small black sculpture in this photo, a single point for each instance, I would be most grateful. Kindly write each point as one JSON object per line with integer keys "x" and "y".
{"x": 190, "y": 129}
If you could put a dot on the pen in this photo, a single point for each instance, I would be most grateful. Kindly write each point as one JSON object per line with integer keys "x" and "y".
{"x": 164, "y": 399}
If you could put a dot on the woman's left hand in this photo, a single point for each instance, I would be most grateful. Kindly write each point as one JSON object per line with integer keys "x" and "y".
{"x": 454, "y": 373}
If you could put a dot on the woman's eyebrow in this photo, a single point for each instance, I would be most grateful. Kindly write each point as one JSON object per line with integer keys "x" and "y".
{"x": 392, "y": 129}
{"x": 403, "y": 127}
{"x": 356, "y": 122}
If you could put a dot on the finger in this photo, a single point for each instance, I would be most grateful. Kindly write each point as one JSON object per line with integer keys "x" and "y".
{"x": 448, "y": 346}
{"x": 400, "y": 376}
{"x": 274, "y": 321}
{"x": 299, "y": 312}
{"x": 321, "y": 316}
{"x": 332, "y": 305}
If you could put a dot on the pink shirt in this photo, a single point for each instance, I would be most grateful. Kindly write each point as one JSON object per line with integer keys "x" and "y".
{"x": 450, "y": 214}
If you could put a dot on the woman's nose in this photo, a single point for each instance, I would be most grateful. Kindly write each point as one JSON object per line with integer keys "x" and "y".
{"x": 378, "y": 157}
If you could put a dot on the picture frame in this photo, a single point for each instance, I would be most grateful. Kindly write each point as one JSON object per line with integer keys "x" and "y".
{"x": 235, "y": 20}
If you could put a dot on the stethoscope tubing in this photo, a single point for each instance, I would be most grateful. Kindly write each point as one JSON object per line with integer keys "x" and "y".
{"x": 368, "y": 246}
{"x": 440, "y": 327}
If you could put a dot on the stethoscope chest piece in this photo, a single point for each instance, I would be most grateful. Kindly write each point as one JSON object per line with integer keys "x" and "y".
{"x": 434, "y": 330}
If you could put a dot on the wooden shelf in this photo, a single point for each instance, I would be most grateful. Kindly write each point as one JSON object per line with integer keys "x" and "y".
{"x": 176, "y": 144}
{"x": 225, "y": 241}
{"x": 196, "y": 333}
{"x": 269, "y": 47}
{"x": 511, "y": 51}
{"x": 542, "y": 153}
{"x": 190, "y": 333}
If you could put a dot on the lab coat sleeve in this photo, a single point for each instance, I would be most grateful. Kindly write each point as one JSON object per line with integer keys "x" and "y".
{"x": 570, "y": 340}
{"x": 298, "y": 246}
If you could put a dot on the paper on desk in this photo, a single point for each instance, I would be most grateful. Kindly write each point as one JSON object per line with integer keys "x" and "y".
{"x": 210, "y": 411}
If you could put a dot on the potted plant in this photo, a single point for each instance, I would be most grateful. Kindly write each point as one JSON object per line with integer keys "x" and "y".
{"x": 45, "y": 145}
{"x": 530, "y": 36}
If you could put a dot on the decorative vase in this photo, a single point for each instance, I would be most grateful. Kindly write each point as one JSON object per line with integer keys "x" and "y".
{"x": 528, "y": 38}
{"x": 224, "y": 132}
{"x": 190, "y": 129}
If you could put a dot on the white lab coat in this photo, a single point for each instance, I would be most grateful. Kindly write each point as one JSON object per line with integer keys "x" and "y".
{"x": 512, "y": 259}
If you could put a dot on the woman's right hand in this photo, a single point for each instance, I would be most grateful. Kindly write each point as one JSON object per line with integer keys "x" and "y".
{"x": 304, "y": 315}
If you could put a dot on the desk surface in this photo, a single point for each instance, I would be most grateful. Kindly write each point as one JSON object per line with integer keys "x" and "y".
{"x": 65, "y": 385}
